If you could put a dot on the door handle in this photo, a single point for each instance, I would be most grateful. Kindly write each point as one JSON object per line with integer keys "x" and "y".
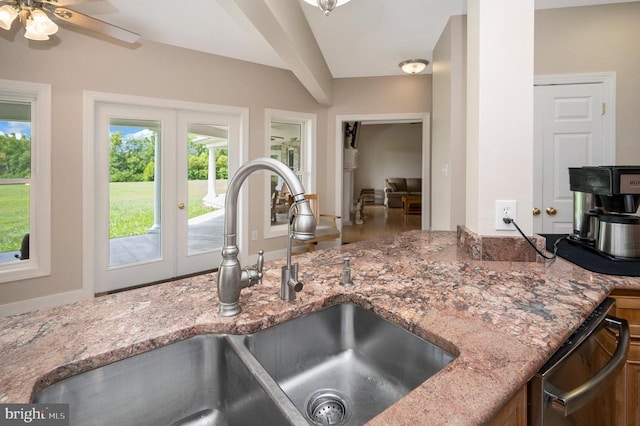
{"x": 181, "y": 206}
{"x": 570, "y": 401}
{"x": 536, "y": 211}
{"x": 551, "y": 211}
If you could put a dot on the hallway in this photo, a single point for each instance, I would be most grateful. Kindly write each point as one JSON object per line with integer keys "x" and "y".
{"x": 380, "y": 221}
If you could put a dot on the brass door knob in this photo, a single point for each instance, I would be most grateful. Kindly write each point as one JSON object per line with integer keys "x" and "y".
{"x": 536, "y": 211}
{"x": 181, "y": 206}
{"x": 551, "y": 211}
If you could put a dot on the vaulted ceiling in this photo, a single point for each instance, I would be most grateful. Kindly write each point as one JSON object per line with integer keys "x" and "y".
{"x": 359, "y": 39}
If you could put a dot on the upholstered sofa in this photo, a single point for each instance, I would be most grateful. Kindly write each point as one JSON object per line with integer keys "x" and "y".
{"x": 396, "y": 188}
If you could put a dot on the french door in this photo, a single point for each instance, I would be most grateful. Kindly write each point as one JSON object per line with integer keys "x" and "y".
{"x": 160, "y": 183}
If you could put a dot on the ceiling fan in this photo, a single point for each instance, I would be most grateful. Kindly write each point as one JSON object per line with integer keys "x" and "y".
{"x": 35, "y": 18}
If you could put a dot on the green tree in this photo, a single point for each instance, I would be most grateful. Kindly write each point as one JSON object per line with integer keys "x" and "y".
{"x": 130, "y": 160}
{"x": 15, "y": 156}
{"x": 222, "y": 169}
{"x": 198, "y": 160}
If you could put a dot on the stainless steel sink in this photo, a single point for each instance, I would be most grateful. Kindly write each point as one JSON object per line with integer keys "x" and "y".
{"x": 339, "y": 366}
{"x": 345, "y": 364}
{"x": 198, "y": 381}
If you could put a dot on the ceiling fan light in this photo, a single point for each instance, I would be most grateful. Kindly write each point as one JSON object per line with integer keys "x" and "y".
{"x": 7, "y": 16}
{"x": 44, "y": 24}
{"x": 34, "y": 35}
{"x": 413, "y": 66}
{"x": 33, "y": 31}
{"x": 327, "y": 5}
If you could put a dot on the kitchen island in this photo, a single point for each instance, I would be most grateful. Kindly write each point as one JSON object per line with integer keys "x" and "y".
{"x": 501, "y": 319}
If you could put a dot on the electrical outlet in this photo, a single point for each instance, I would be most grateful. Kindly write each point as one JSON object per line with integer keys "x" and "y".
{"x": 505, "y": 208}
{"x": 254, "y": 235}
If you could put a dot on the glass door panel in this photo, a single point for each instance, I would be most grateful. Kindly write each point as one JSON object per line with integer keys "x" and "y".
{"x": 134, "y": 187}
{"x": 135, "y": 191}
{"x": 207, "y": 173}
{"x": 203, "y": 170}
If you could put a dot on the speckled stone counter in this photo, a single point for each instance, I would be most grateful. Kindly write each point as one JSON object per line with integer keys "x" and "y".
{"x": 504, "y": 319}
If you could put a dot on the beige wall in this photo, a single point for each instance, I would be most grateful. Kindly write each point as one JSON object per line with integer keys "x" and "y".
{"x": 448, "y": 140}
{"x": 80, "y": 62}
{"x": 597, "y": 39}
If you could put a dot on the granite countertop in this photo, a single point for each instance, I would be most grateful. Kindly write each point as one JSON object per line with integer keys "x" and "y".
{"x": 504, "y": 319}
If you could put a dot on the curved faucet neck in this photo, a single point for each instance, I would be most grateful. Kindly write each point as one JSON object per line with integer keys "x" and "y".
{"x": 231, "y": 202}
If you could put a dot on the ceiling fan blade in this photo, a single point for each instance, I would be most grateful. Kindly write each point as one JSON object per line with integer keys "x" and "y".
{"x": 92, "y": 24}
{"x": 59, "y": 3}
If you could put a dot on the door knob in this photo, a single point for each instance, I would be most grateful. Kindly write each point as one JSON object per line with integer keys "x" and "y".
{"x": 181, "y": 206}
{"x": 551, "y": 211}
{"x": 536, "y": 211}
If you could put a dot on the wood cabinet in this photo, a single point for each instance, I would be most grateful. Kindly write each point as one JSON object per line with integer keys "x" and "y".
{"x": 628, "y": 383}
{"x": 514, "y": 413}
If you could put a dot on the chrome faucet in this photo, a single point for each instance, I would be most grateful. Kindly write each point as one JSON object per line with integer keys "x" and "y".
{"x": 302, "y": 226}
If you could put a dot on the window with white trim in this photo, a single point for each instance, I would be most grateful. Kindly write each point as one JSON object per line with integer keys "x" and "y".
{"x": 291, "y": 139}
{"x": 25, "y": 175}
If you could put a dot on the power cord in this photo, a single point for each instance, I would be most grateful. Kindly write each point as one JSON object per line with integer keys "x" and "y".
{"x": 508, "y": 220}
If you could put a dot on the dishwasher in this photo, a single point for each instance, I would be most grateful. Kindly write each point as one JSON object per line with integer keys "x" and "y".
{"x": 576, "y": 386}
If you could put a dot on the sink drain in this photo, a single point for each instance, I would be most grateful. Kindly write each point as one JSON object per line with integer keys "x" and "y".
{"x": 327, "y": 407}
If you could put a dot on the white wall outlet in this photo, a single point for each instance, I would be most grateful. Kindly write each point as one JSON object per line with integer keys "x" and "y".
{"x": 254, "y": 235}
{"x": 505, "y": 208}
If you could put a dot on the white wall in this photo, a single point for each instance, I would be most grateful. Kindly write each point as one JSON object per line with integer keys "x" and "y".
{"x": 387, "y": 150}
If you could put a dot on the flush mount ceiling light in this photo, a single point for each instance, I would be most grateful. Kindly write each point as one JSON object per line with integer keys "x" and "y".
{"x": 327, "y": 5}
{"x": 413, "y": 66}
{"x": 34, "y": 17}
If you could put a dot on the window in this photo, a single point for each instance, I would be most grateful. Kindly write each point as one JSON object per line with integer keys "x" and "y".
{"x": 291, "y": 139}
{"x": 25, "y": 173}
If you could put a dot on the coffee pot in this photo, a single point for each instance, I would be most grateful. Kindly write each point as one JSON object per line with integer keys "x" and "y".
{"x": 605, "y": 209}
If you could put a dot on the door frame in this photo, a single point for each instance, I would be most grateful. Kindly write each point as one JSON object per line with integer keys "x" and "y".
{"x": 608, "y": 81}
{"x": 424, "y": 118}
{"x": 90, "y": 99}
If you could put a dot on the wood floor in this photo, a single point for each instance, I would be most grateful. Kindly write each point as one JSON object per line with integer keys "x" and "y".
{"x": 378, "y": 222}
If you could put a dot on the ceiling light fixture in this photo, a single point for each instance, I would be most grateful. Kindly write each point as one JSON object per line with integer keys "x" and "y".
{"x": 327, "y": 5}
{"x": 7, "y": 15}
{"x": 413, "y": 66}
{"x": 38, "y": 26}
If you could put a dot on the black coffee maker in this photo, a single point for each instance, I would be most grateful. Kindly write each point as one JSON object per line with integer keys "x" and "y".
{"x": 605, "y": 206}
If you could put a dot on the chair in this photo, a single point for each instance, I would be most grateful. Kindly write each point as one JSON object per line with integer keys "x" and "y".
{"x": 327, "y": 225}
{"x": 280, "y": 201}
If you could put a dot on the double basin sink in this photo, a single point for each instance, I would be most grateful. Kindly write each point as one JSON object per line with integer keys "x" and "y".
{"x": 339, "y": 366}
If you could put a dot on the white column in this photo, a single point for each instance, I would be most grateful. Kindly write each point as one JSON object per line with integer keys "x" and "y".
{"x": 500, "y": 35}
{"x": 157, "y": 189}
{"x": 211, "y": 180}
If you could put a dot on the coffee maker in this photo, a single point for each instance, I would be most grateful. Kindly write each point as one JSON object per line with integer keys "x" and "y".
{"x": 605, "y": 206}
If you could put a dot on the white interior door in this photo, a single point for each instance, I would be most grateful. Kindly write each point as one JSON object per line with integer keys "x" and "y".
{"x": 568, "y": 132}
{"x": 158, "y": 205}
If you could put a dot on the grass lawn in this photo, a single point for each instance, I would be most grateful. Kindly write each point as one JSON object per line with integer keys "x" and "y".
{"x": 131, "y": 210}
{"x": 14, "y": 216}
{"x": 132, "y": 206}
